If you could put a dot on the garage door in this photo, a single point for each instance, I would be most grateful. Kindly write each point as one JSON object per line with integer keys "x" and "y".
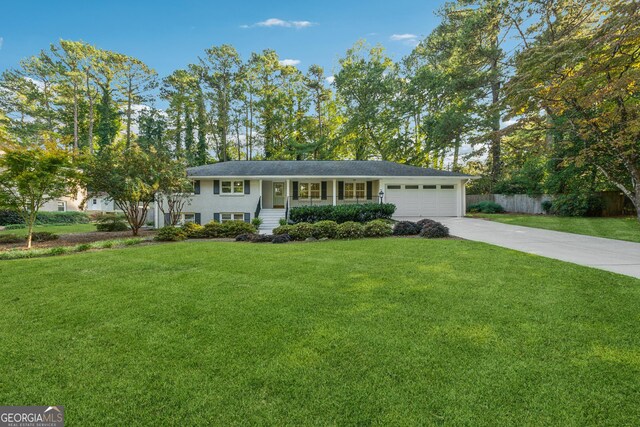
{"x": 423, "y": 200}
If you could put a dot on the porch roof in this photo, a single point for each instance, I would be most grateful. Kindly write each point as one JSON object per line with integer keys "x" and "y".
{"x": 317, "y": 168}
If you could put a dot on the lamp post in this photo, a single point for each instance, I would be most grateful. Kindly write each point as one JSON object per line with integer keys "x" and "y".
{"x": 381, "y": 195}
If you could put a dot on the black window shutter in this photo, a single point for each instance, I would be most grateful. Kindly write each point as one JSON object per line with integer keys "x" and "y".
{"x": 369, "y": 190}
{"x": 196, "y": 186}
{"x": 216, "y": 186}
{"x": 198, "y": 218}
{"x": 167, "y": 219}
{"x": 247, "y": 217}
{"x": 247, "y": 186}
{"x": 340, "y": 190}
{"x": 323, "y": 190}
{"x": 216, "y": 216}
{"x": 295, "y": 190}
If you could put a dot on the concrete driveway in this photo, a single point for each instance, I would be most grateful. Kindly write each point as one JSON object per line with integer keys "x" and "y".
{"x": 606, "y": 254}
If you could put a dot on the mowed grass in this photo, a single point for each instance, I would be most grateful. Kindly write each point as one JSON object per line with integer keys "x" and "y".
{"x": 58, "y": 229}
{"x": 385, "y": 332}
{"x": 627, "y": 228}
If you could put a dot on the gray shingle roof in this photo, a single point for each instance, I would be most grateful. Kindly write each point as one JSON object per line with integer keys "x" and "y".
{"x": 337, "y": 168}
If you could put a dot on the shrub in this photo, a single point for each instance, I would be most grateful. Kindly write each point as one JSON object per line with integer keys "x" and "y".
{"x": 256, "y": 222}
{"x": 10, "y": 238}
{"x": 342, "y": 213}
{"x": 350, "y": 230}
{"x": 547, "y": 206}
{"x": 132, "y": 241}
{"x": 326, "y": 229}
{"x": 434, "y": 231}
{"x": 246, "y": 237}
{"x": 281, "y": 238}
{"x": 262, "y": 238}
{"x": 283, "y": 229}
{"x": 58, "y": 250}
{"x": 44, "y": 236}
{"x": 69, "y": 217}
{"x": 170, "y": 234}
{"x": 15, "y": 227}
{"x": 301, "y": 231}
{"x": 406, "y": 228}
{"x": 193, "y": 230}
{"x": 213, "y": 229}
{"x": 10, "y": 217}
{"x": 486, "y": 206}
{"x": 577, "y": 205}
{"x": 83, "y": 247}
{"x": 111, "y": 222}
{"x": 283, "y": 221}
{"x": 377, "y": 228}
{"x": 235, "y": 228}
{"x": 425, "y": 221}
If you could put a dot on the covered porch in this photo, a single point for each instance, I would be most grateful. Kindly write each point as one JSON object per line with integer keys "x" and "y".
{"x": 291, "y": 192}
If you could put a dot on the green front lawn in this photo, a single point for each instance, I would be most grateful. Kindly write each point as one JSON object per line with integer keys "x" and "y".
{"x": 386, "y": 332}
{"x": 58, "y": 229}
{"x": 612, "y": 228}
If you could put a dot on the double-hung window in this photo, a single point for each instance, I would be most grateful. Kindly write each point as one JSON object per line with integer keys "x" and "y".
{"x": 232, "y": 187}
{"x": 229, "y": 216}
{"x": 188, "y": 217}
{"x": 62, "y": 206}
{"x": 309, "y": 190}
{"x": 354, "y": 190}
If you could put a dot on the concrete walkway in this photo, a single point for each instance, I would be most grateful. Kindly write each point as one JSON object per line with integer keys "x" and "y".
{"x": 606, "y": 254}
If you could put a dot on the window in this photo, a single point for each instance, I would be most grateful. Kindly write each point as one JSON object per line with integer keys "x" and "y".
{"x": 224, "y": 217}
{"x": 94, "y": 201}
{"x": 354, "y": 190}
{"x": 428, "y": 187}
{"x": 447, "y": 187}
{"x": 232, "y": 187}
{"x": 62, "y": 206}
{"x": 393, "y": 187}
{"x": 188, "y": 217}
{"x": 309, "y": 190}
{"x": 411, "y": 187}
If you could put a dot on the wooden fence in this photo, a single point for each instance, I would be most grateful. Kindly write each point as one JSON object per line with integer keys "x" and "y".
{"x": 614, "y": 202}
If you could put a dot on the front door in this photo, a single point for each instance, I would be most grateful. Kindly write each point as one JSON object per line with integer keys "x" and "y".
{"x": 278, "y": 195}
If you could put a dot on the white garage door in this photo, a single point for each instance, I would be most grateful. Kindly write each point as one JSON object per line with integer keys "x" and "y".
{"x": 423, "y": 200}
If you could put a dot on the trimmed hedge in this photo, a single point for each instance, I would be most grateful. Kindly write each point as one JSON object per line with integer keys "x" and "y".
{"x": 301, "y": 231}
{"x": 350, "y": 230}
{"x": 435, "y": 230}
{"x": 325, "y": 229}
{"x": 406, "y": 228}
{"x": 377, "y": 228}
{"x": 70, "y": 217}
{"x": 170, "y": 234}
{"x": 193, "y": 230}
{"x": 342, "y": 213}
{"x": 230, "y": 229}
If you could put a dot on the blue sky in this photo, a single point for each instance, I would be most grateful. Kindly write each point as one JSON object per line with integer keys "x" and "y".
{"x": 167, "y": 35}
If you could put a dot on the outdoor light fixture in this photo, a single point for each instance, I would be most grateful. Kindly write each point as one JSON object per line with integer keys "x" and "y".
{"x": 381, "y": 195}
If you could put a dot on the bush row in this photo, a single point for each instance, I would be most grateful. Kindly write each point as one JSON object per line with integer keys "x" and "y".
{"x": 486, "y": 206}
{"x": 61, "y": 250}
{"x": 211, "y": 230}
{"x": 333, "y": 230}
{"x": 425, "y": 227}
{"x": 12, "y": 217}
{"x": 342, "y": 213}
{"x": 39, "y": 236}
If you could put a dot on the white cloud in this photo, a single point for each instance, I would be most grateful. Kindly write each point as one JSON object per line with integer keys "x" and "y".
{"x": 409, "y": 39}
{"x": 330, "y": 79}
{"x": 277, "y": 22}
{"x": 1, "y": 42}
{"x": 292, "y": 62}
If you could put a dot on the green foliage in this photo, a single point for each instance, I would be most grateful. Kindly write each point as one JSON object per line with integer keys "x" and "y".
{"x": 377, "y": 228}
{"x": 350, "y": 230}
{"x": 193, "y": 230}
{"x": 578, "y": 204}
{"x": 547, "y": 206}
{"x": 111, "y": 222}
{"x": 257, "y": 222}
{"x": 342, "y": 213}
{"x": 282, "y": 229}
{"x": 529, "y": 179}
{"x": 44, "y": 236}
{"x": 434, "y": 230}
{"x": 234, "y": 228}
{"x": 322, "y": 229}
{"x": 282, "y": 221}
{"x": 406, "y": 228}
{"x": 15, "y": 227}
{"x": 69, "y": 217}
{"x": 82, "y": 247}
{"x": 213, "y": 230}
{"x": 301, "y": 231}
{"x": 170, "y": 234}
{"x": 61, "y": 250}
{"x": 8, "y": 217}
{"x": 10, "y": 238}
{"x": 485, "y": 206}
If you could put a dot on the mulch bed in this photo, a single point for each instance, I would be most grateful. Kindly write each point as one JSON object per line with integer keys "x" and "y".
{"x": 72, "y": 239}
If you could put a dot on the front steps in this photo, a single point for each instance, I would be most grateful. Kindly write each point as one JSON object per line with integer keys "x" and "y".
{"x": 270, "y": 220}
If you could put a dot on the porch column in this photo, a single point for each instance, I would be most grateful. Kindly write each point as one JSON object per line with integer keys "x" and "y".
{"x": 335, "y": 193}
{"x": 288, "y": 201}
{"x": 260, "y": 194}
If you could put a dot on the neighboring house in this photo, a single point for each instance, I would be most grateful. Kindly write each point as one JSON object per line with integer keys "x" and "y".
{"x": 243, "y": 190}
{"x": 66, "y": 203}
